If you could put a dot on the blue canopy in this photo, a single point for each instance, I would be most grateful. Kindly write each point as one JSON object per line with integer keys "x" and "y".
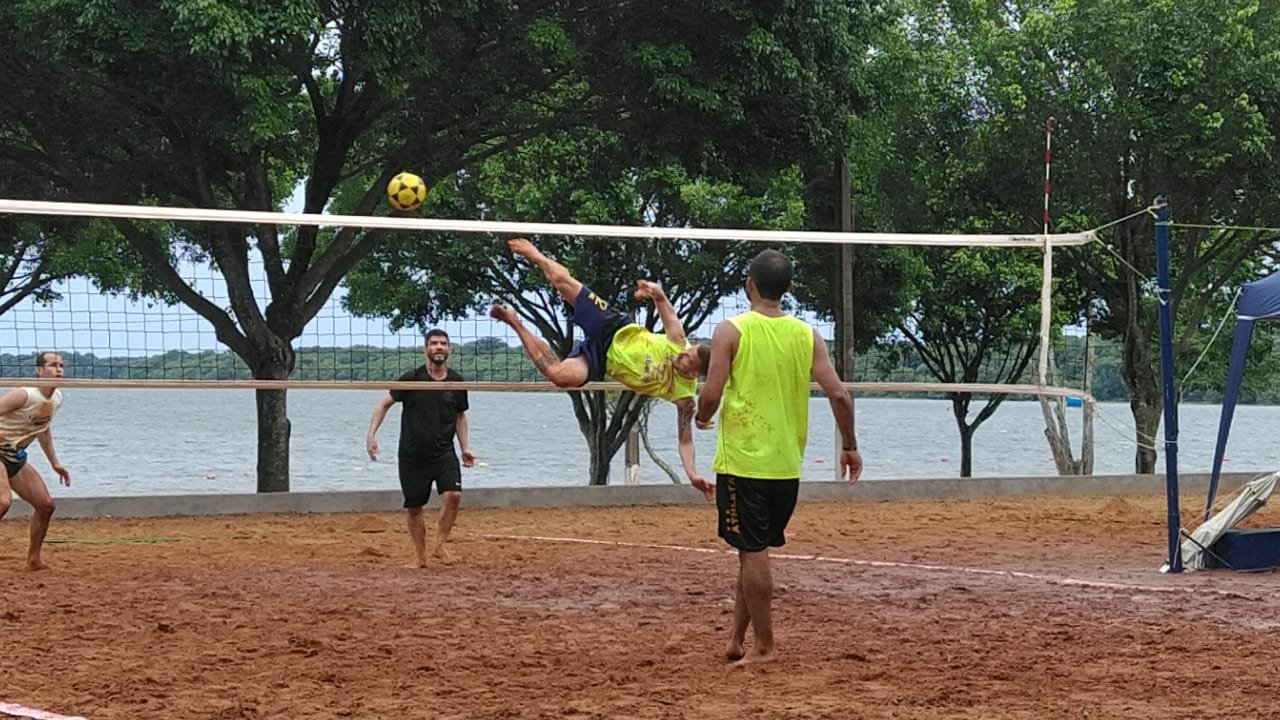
{"x": 1259, "y": 300}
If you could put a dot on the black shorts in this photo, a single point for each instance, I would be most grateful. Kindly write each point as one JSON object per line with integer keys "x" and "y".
{"x": 14, "y": 459}
{"x": 12, "y": 467}
{"x": 417, "y": 476}
{"x": 753, "y": 512}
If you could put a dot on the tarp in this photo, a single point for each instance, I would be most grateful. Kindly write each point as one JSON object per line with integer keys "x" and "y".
{"x": 1259, "y": 300}
{"x": 1252, "y": 496}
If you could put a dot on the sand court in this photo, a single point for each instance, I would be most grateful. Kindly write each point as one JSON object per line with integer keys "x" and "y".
{"x": 1031, "y": 607}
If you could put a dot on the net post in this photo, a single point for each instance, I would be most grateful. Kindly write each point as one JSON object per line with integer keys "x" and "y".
{"x": 1164, "y": 296}
{"x": 1046, "y": 270}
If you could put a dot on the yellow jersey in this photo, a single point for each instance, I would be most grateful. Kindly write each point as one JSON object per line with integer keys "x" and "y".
{"x": 764, "y": 414}
{"x": 643, "y": 361}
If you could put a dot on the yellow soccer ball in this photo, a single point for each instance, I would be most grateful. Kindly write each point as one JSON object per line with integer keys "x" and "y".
{"x": 406, "y": 191}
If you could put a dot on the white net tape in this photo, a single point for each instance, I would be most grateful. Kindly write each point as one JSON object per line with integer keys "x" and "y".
{"x": 140, "y": 212}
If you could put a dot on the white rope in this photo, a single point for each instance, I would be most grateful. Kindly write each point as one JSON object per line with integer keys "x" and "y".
{"x": 144, "y": 212}
{"x": 1209, "y": 345}
{"x": 1127, "y": 431}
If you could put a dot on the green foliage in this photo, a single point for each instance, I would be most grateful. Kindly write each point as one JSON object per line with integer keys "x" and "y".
{"x": 230, "y": 103}
{"x": 1148, "y": 99}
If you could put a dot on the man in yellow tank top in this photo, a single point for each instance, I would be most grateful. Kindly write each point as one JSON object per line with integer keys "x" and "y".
{"x": 663, "y": 365}
{"x": 26, "y": 415}
{"x": 758, "y": 379}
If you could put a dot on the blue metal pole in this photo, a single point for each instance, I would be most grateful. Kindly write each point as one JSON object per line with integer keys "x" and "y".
{"x": 1165, "y": 296}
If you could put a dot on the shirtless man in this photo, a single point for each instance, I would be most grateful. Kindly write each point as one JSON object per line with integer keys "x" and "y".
{"x": 25, "y": 416}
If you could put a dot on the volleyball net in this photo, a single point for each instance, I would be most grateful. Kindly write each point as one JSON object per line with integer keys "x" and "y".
{"x": 126, "y": 340}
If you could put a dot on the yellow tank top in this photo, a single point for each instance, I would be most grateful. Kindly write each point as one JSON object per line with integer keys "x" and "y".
{"x": 642, "y": 361}
{"x": 764, "y": 414}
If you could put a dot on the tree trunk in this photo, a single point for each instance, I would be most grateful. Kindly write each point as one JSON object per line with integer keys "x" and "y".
{"x": 1086, "y": 423}
{"x": 1145, "y": 399}
{"x": 648, "y": 448}
{"x": 1146, "y": 416}
{"x": 960, "y": 410}
{"x": 273, "y": 441}
{"x": 605, "y": 426}
{"x": 274, "y": 428}
{"x": 1056, "y": 430}
{"x": 966, "y": 450}
{"x": 1057, "y": 435}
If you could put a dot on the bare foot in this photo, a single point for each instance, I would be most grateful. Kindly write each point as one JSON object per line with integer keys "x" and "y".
{"x": 443, "y": 555}
{"x": 735, "y": 651}
{"x": 419, "y": 563}
{"x": 756, "y": 657}
{"x": 37, "y": 565}
{"x": 504, "y": 313}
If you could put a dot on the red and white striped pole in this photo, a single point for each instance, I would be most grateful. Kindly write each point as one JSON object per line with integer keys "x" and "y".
{"x": 1046, "y": 269}
{"x": 1048, "y": 161}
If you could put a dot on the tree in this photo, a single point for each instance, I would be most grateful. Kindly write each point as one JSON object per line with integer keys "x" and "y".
{"x": 928, "y": 159}
{"x": 976, "y": 318}
{"x": 231, "y": 104}
{"x": 36, "y": 256}
{"x": 27, "y": 264}
{"x": 1150, "y": 98}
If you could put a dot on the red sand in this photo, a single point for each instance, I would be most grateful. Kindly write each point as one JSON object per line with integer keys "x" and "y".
{"x": 316, "y": 617}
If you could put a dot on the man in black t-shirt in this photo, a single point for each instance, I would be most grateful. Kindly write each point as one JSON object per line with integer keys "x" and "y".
{"x": 428, "y": 423}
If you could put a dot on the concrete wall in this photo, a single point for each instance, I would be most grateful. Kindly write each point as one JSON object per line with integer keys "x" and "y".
{"x": 621, "y": 495}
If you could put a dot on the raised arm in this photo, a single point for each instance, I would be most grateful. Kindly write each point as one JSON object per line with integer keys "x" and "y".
{"x": 841, "y": 409}
{"x": 724, "y": 344}
{"x": 671, "y": 324}
{"x": 379, "y": 414}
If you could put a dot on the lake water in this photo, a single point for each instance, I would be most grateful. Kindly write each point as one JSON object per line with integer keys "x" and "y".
{"x": 144, "y": 442}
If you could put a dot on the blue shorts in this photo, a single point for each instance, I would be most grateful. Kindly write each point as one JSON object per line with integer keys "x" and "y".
{"x": 599, "y": 322}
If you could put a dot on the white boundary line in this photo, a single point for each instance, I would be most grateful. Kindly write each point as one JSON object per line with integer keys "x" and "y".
{"x": 958, "y": 569}
{"x": 20, "y": 711}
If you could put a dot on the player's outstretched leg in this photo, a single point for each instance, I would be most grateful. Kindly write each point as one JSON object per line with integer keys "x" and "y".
{"x": 556, "y": 274}
{"x": 569, "y": 373}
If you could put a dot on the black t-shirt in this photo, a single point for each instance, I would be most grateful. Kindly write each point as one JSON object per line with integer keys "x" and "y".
{"x": 430, "y": 417}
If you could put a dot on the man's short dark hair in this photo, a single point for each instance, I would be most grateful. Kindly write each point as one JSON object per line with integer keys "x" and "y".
{"x": 771, "y": 271}
{"x": 435, "y": 332}
{"x": 704, "y": 358}
{"x": 43, "y": 358}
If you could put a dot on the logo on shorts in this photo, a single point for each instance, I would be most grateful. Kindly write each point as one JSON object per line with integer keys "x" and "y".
{"x": 731, "y": 522}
